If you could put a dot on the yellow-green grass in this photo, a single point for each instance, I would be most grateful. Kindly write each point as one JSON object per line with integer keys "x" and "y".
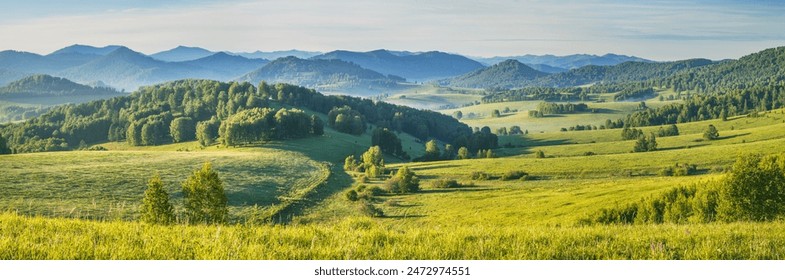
{"x": 549, "y": 123}
{"x": 734, "y": 131}
{"x": 363, "y": 238}
{"x": 495, "y": 203}
{"x": 110, "y": 184}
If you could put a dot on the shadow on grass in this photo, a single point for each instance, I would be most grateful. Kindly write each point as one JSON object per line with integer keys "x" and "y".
{"x": 451, "y": 190}
{"x": 337, "y": 181}
{"x": 396, "y": 217}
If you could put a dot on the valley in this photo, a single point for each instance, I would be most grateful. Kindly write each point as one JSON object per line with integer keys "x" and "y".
{"x": 635, "y": 160}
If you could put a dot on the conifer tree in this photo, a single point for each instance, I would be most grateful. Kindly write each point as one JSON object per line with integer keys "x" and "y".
{"x": 156, "y": 208}
{"x": 205, "y": 200}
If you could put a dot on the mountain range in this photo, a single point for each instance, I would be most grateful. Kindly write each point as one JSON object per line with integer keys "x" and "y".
{"x": 565, "y": 62}
{"x": 364, "y": 73}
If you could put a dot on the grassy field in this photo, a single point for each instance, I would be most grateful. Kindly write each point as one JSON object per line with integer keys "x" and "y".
{"x": 432, "y": 97}
{"x": 550, "y": 123}
{"x": 364, "y": 238}
{"x": 109, "y": 184}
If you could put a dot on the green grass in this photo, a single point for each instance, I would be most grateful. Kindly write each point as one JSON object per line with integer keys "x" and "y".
{"x": 109, "y": 184}
{"x": 363, "y": 238}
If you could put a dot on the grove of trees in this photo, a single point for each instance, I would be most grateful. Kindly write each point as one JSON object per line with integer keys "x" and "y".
{"x": 146, "y": 116}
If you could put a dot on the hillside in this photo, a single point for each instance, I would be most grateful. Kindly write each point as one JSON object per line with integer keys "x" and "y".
{"x": 760, "y": 69}
{"x": 48, "y": 86}
{"x": 209, "y": 102}
{"x": 227, "y": 66}
{"x": 506, "y": 74}
{"x": 620, "y": 73}
{"x": 411, "y": 66}
{"x": 329, "y": 75}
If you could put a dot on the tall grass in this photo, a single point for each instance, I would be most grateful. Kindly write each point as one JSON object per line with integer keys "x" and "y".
{"x": 48, "y": 238}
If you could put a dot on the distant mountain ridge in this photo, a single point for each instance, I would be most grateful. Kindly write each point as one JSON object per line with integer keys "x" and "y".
{"x": 567, "y": 61}
{"x": 182, "y": 53}
{"x": 227, "y": 66}
{"x": 127, "y": 69}
{"x": 412, "y": 66}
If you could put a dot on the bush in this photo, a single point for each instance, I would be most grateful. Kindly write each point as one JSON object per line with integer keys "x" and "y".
{"x": 370, "y": 210}
{"x": 445, "y": 184}
{"x": 368, "y": 193}
{"x": 351, "y": 195}
{"x": 477, "y": 175}
{"x": 514, "y": 175}
{"x": 539, "y": 154}
{"x": 754, "y": 190}
{"x": 679, "y": 170}
{"x": 404, "y": 181}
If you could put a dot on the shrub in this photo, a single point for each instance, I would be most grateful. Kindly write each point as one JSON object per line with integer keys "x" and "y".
{"x": 539, "y": 154}
{"x": 445, "y": 184}
{"x": 351, "y": 195}
{"x": 477, "y": 175}
{"x": 370, "y": 210}
{"x": 404, "y": 181}
{"x": 514, "y": 175}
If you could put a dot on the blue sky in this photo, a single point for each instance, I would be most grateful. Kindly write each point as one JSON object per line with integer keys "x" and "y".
{"x": 662, "y": 30}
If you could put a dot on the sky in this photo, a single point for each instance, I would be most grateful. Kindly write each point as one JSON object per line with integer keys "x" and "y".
{"x": 659, "y": 30}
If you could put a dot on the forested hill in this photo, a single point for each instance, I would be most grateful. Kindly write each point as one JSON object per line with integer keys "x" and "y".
{"x": 48, "y": 86}
{"x": 506, "y": 74}
{"x": 763, "y": 68}
{"x": 754, "y": 83}
{"x": 188, "y": 109}
{"x": 512, "y": 74}
{"x": 322, "y": 74}
{"x": 621, "y": 73}
{"x": 412, "y": 66}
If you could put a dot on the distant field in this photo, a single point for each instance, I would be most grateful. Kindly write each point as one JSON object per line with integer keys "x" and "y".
{"x": 550, "y": 123}
{"x": 740, "y": 130}
{"x": 433, "y": 97}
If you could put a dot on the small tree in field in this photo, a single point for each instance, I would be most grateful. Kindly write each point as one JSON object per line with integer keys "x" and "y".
{"x": 156, "y": 208}
{"x": 205, "y": 200}
{"x": 404, "y": 181}
{"x": 711, "y": 133}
